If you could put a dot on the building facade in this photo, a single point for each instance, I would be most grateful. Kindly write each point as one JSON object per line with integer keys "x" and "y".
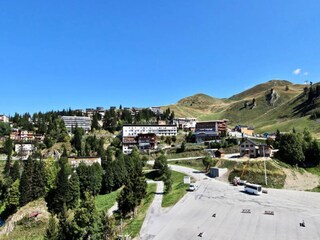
{"x": 210, "y": 130}
{"x": 75, "y": 161}
{"x": 144, "y": 136}
{"x": 4, "y": 118}
{"x": 246, "y": 130}
{"x": 249, "y": 148}
{"x": 159, "y": 130}
{"x": 188, "y": 124}
{"x": 72, "y": 122}
{"x": 24, "y": 150}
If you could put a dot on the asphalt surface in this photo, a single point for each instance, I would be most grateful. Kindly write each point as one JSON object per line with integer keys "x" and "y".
{"x": 193, "y": 214}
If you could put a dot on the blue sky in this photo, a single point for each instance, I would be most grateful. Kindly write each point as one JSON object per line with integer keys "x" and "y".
{"x": 80, "y": 54}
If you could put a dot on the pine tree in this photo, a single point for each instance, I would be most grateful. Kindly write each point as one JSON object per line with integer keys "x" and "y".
{"x": 38, "y": 183}
{"x": 167, "y": 180}
{"x": 13, "y": 197}
{"x": 77, "y": 140}
{"x": 87, "y": 222}
{"x": 52, "y": 232}
{"x": 73, "y": 194}
{"x": 126, "y": 200}
{"x": 8, "y": 148}
{"x": 59, "y": 195}
{"x": 95, "y": 123}
{"x": 15, "y": 171}
{"x": 26, "y": 183}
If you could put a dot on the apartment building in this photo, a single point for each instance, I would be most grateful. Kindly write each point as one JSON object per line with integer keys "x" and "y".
{"x": 144, "y": 136}
{"x": 72, "y": 122}
{"x": 75, "y": 161}
{"x": 159, "y": 130}
{"x": 210, "y": 130}
{"x": 25, "y": 136}
{"x": 4, "y": 118}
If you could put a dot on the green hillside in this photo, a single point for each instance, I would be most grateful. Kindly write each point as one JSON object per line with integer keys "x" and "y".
{"x": 276, "y": 104}
{"x": 256, "y": 90}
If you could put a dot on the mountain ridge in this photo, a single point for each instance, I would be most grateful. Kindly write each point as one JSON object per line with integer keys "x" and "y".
{"x": 275, "y": 104}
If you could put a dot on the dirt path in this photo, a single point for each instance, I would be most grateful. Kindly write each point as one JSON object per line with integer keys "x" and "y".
{"x": 300, "y": 181}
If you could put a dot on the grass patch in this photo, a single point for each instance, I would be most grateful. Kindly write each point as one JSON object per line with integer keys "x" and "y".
{"x": 224, "y": 163}
{"x": 133, "y": 227}
{"x": 177, "y": 192}
{"x": 254, "y": 172}
{"x": 316, "y": 189}
{"x": 31, "y": 231}
{"x": 194, "y": 163}
{"x": 106, "y": 201}
{"x": 190, "y": 153}
{"x": 314, "y": 170}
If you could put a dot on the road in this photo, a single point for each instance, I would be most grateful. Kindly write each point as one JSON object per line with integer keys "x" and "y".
{"x": 193, "y": 214}
{"x": 153, "y": 213}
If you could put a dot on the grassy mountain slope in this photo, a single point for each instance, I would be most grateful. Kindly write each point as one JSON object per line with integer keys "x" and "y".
{"x": 279, "y": 104}
{"x": 256, "y": 90}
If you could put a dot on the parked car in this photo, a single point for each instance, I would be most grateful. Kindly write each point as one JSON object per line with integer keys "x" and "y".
{"x": 192, "y": 187}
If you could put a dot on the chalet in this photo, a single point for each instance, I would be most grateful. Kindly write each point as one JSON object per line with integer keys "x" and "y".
{"x": 75, "y": 161}
{"x": 252, "y": 149}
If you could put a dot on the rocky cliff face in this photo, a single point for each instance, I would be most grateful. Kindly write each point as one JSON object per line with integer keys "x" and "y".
{"x": 272, "y": 97}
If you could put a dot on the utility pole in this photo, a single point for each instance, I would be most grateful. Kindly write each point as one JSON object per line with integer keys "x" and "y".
{"x": 265, "y": 166}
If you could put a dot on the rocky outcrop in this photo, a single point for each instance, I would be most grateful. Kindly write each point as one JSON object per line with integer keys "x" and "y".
{"x": 272, "y": 97}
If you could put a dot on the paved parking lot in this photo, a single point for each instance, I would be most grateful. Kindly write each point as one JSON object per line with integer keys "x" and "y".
{"x": 238, "y": 215}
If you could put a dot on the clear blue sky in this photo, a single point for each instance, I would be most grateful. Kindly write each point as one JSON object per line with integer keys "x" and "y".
{"x": 79, "y": 54}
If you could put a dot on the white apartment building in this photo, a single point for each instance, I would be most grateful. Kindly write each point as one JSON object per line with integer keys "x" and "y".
{"x": 72, "y": 122}
{"x": 159, "y": 130}
{"x": 4, "y": 118}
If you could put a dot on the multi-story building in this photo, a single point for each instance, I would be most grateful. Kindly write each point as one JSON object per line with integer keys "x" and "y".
{"x": 142, "y": 142}
{"x": 159, "y": 130}
{"x": 188, "y": 124}
{"x": 72, "y": 122}
{"x": 144, "y": 136}
{"x": 75, "y": 161}
{"x": 156, "y": 110}
{"x": 4, "y": 118}
{"x": 25, "y": 136}
{"x": 24, "y": 150}
{"x": 210, "y": 130}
